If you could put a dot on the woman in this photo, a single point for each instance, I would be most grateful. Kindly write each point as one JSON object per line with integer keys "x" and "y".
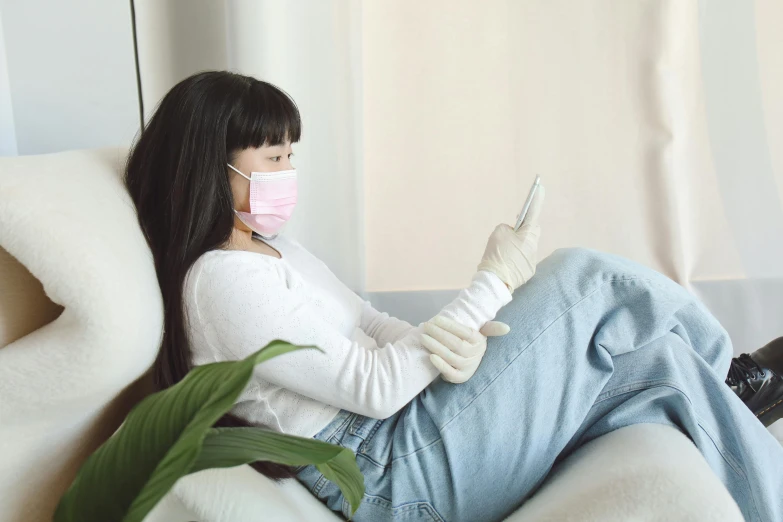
{"x": 596, "y": 342}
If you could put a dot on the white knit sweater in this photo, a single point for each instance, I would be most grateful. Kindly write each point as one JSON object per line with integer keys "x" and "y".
{"x": 237, "y": 302}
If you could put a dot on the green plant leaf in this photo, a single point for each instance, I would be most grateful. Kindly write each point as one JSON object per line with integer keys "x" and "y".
{"x": 158, "y": 443}
{"x": 226, "y": 447}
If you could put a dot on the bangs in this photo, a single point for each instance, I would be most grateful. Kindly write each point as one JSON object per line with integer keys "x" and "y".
{"x": 265, "y": 116}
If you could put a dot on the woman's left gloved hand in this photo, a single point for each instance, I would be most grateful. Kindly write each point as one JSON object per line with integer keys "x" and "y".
{"x": 456, "y": 349}
{"x": 511, "y": 255}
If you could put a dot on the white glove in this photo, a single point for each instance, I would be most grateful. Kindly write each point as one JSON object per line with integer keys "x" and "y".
{"x": 456, "y": 350}
{"x": 512, "y": 255}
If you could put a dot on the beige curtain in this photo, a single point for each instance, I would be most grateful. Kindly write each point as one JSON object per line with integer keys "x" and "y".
{"x": 656, "y": 127}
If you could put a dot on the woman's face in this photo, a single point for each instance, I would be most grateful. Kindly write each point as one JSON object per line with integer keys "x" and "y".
{"x": 262, "y": 159}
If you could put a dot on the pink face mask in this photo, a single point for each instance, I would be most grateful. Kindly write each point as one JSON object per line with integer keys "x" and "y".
{"x": 272, "y": 201}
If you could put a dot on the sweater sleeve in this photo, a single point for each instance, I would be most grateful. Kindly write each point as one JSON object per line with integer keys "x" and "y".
{"x": 380, "y": 325}
{"x": 245, "y": 305}
{"x": 386, "y": 329}
{"x": 471, "y": 307}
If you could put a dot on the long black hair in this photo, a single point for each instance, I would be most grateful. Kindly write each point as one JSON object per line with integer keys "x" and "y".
{"x": 176, "y": 176}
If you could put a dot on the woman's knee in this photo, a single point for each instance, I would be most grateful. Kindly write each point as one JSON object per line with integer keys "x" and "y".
{"x": 575, "y": 256}
{"x": 582, "y": 265}
{"x": 562, "y": 279}
{"x": 588, "y": 265}
{"x": 585, "y": 269}
{"x": 707, "y": 335}
{"x": 591, "y": 258}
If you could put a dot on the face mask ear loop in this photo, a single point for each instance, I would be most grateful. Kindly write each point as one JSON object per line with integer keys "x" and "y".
{"x": 237, "y": 171}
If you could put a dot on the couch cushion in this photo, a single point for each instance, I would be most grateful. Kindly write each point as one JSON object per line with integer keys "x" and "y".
{"x": 24, "y": 306}
{"x": 64, "y": 387}
{"x": 644, "y": 473}
{"x": 239, "y": 494}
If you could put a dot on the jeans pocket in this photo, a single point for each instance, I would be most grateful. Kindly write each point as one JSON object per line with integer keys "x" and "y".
{"x": 418, "y": 511}
{"x": 361, "y": 430}
{"x": 377, "y": 508}
{"x": 365, "y": 444}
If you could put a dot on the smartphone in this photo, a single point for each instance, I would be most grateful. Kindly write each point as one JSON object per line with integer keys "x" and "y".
{"x": 523, "y": 213}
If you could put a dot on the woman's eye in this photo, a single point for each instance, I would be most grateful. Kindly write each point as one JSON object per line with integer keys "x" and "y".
{"x": 276, "y": 159}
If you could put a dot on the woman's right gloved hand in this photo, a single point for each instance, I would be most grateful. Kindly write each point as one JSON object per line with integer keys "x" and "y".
{"x": 512, "y": 255}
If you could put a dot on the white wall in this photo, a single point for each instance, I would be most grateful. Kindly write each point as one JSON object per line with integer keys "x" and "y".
{"x": 7, "y": 132}
{"x": 70, "y": 72}
{"x": 177, "y": 38}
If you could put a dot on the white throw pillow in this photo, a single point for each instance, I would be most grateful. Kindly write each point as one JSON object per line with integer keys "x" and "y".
{"x": 69, "y": 220}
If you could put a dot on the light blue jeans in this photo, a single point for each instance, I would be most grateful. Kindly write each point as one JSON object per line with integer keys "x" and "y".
{"x": 597, "y": 342}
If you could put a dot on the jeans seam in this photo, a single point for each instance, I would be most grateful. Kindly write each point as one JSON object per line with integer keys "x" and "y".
{"x": 410, "y": 505}
{"x": 373, "y": 499}
{"x": 419, "y": 506}
{"x": 345, "y": 508}
{"x": 669, "y": 384}
{"x": 369, "y": 436}
{"x": 731, "y": 460}
{"x": 727, "y": 456}
{"x": 417, "y": 450}
{"x": 346, "y": 422}
{"x": 372, "y": 461}
{"x": 331, "y": 439}
{"x": 555, "y": 320}
{"x": 318, "y": 485}
{"x": 635, "y": 386}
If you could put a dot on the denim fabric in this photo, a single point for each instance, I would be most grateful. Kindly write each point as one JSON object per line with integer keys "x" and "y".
{"x": 597, "y": 342}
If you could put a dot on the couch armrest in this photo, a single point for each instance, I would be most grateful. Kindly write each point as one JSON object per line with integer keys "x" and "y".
{"x": 644, "y": 472}
{"x": 239, "y": 494}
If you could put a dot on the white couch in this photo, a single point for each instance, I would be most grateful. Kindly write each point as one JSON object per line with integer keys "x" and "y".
{"x": 80, "y": 323}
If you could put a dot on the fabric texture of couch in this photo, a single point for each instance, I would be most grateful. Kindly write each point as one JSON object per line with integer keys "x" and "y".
{"x": 65, "y": 387}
